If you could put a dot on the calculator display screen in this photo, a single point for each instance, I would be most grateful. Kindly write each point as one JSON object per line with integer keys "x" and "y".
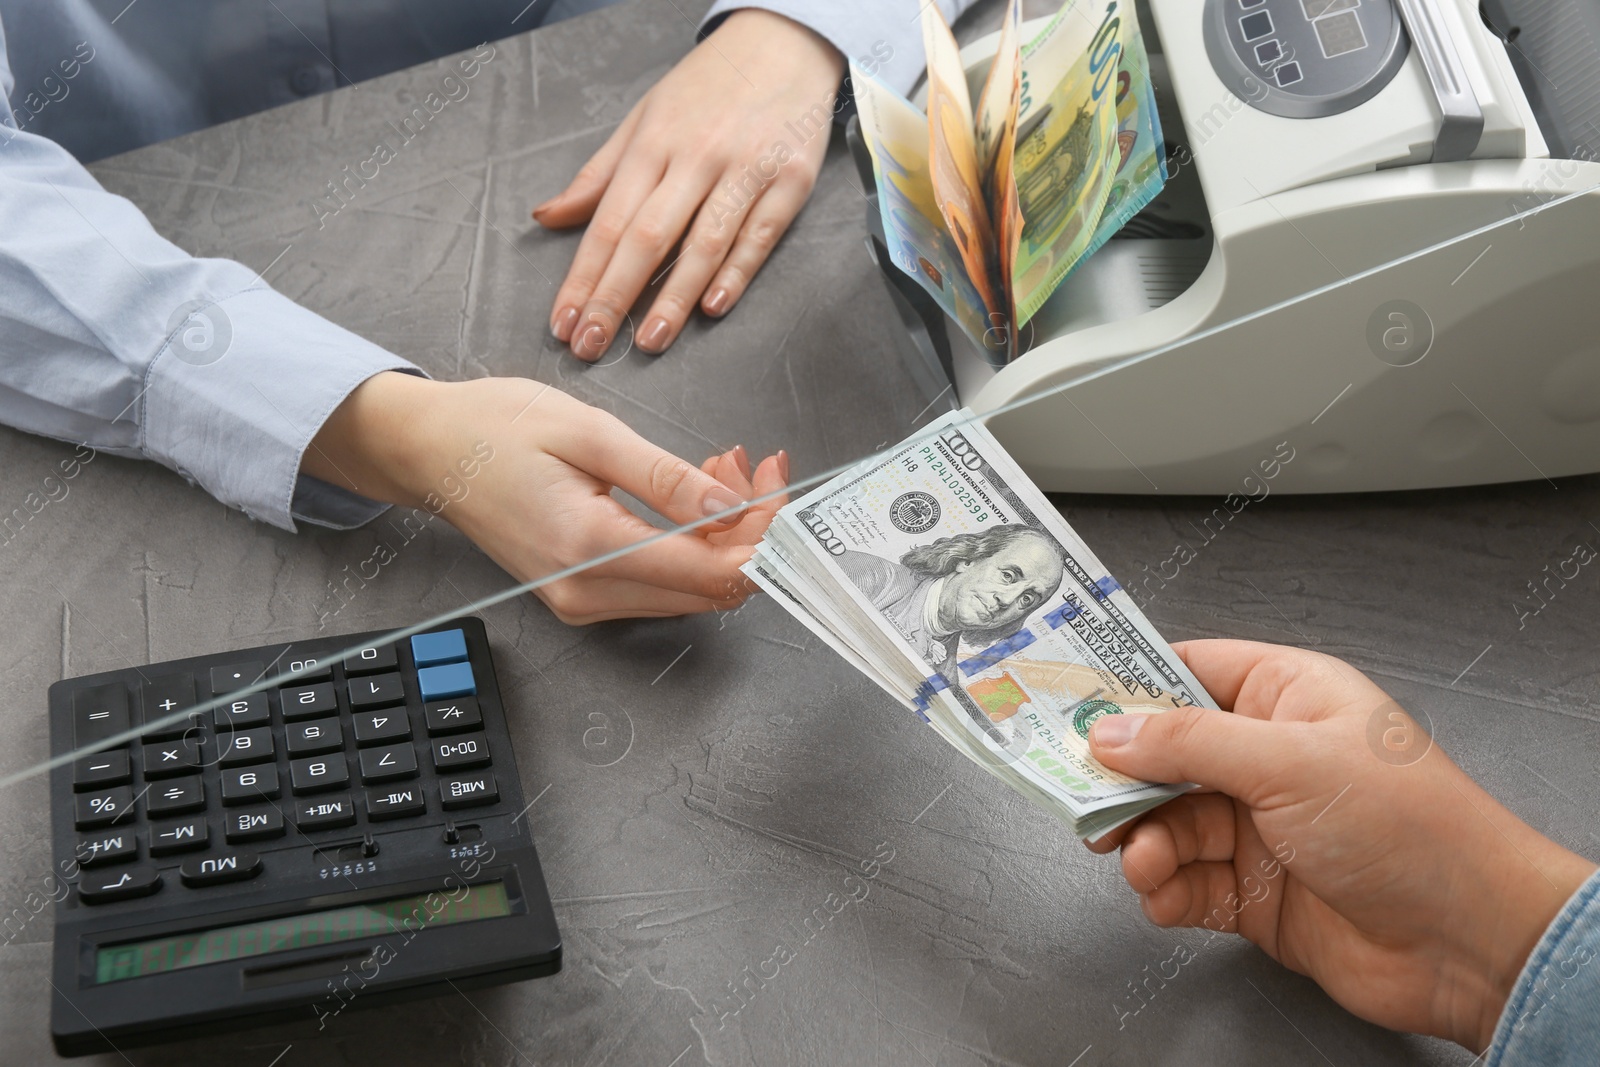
{"x": 136, "y": 959}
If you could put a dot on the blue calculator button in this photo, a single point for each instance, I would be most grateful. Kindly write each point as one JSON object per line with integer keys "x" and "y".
{"x": 449, "y": 646}
{"x": 447, "y": 680}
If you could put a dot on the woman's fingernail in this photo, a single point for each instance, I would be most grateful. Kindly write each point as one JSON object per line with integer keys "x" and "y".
{"x": 783, "y": 466}
{"x": 720, "y": 500}
{"x": 591, "y": 344}
{"x": 653, "y": 338}
{"x": 561, "y": 324}
{"x": 742, "y": 458}
{"x": 717, "y": 303}
{"x": 1114, "y": 731}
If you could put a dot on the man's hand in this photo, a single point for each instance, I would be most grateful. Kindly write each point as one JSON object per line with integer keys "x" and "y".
{"x": 1339, "y": 838}
{"x": 538, "y": 498}
{"x": 731, "y": 140}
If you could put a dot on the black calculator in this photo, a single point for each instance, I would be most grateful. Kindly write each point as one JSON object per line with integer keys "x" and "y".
{"x": 353, "y": 835}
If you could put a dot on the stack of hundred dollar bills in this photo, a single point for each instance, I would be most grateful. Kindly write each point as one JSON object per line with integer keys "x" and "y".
{"x": 945, "y": 576}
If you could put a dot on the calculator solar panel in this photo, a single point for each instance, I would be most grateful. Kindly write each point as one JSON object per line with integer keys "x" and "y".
{"x": 353, "y": 835}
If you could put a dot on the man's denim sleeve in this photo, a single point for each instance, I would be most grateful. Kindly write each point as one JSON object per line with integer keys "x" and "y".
{"x": 112, "y": 336}
{"x": 883, "y": 34}
{"x": 1552, "y": 1018}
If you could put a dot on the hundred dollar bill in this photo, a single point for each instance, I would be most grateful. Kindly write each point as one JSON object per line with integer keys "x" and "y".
{"x": 941, "y": 566}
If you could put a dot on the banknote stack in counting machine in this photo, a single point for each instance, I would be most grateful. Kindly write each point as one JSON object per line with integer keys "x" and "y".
{"x": 1371, "y": 205}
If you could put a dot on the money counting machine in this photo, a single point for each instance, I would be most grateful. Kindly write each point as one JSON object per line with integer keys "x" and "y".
{"x": 1379, "y": 244}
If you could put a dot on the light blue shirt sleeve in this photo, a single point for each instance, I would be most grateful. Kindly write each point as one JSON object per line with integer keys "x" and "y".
{"x": 881, "y": 35}
{"x": 112, "y": 336}
{"x": 1552, "y": 1018}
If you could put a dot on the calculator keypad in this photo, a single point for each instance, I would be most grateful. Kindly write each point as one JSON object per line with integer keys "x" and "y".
{"x": 254, "y": 825}
{"x": 99, "y": 887}
{"x": 100, "y": 769}
{"x": 245, "y": 746}
{"x": 165, "y": 759}
{"x": 249, "y": 784}
{"x": 318, "y": 735}
{"x": 388, "y": 764}
{"x": 184, "y": 835}
{"x": 376, "y": 691}
{"x": 176, "y": 796}
{"x": 163, "y": 698}
{"x": 369, "y": 738}
{"x": 308, "y": 701}
{"x": 316, "y": 773}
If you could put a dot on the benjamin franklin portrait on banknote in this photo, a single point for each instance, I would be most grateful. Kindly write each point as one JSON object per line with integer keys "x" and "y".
{"x": 973, "y": 587}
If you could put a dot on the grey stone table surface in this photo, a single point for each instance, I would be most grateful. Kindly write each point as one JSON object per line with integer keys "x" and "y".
{"x": 705, "y": 785}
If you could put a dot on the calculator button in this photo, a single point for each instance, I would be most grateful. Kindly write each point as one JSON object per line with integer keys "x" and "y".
{"x": 375, "y": 727}
{"x": 246, "y": 711}
{"x": 308, "y": 738}
{"x": 387, "y": 764}
{"x": 318, "y": 772}
{"x": 308, "y": 701}
{"x": 249, "y": 784}
{"x": 325, "y": 814}
{"x": 167, "y": 758}
{"x": 376, "y": 691}
{"x": 120, "y": 885}
{"x": 447, "y": 646}
{"x": 395, "y": 802}
{"x": 309, "y": 669}
{"x": 467, "y": 792}
{"x": 107, "y": 848}
{"x": 253, "y": 825}
{"x": 233, "y": 676}
{"x": 471, "y": 750}
{"x": 214, "y": 870}
{"x": 176, "y": 796}
{"x": 448, "y": 680}
{"x": 103, "y": 808}
{"x": 101, "y": 768}
{"x": 244, "y": 746}
{"x": 184, "y": 835}
{"x": 370, "y": 660}
{"x": 163, "y": 698}
{"x": 99, "y": 712}
{"x": 453, "y": 716}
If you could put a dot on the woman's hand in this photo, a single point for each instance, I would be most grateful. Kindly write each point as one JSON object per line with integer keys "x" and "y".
{"x": 538, "y": 499}
{"x": 1339, "y": 838}
{"x": 731, "y": 139}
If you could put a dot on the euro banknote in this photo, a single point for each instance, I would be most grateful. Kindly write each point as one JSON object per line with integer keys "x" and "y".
{"x": 1064, "y": 147}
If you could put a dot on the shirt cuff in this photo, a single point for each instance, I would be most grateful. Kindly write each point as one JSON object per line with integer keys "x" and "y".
{"x": 883, "y": 39}
{"x": 237, "y": 392}
{"x": 1550, "y": 1018}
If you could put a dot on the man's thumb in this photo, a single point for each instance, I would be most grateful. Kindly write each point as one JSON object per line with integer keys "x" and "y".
{"x": 1231, "y": 753}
